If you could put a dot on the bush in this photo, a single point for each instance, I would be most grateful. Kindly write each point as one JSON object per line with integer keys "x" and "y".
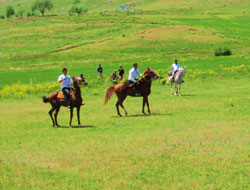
{"x": 77, "y": 9}
{"x": 21, "y": 13}
{"x": 1, "y": 16}
{"x": 28, "y": 14}
{"x": 222, "y": 52}
{"x": 9, "y": 11}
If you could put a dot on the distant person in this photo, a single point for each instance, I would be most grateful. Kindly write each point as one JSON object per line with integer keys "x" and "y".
{"x": 100, "y": 72}
{"x": 121, "y": 73}
{"x": 66, "y": 85}
{"x": 113, "y": 77}
{"x": 83, "y": 80}
{"x": 133, "y": 73}
{"x": 176, "y": 67}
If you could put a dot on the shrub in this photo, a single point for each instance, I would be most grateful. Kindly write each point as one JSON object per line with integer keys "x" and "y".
{"x": 77, "y": 9}
{"x": 1, "y": 16}
{"x": 21, "y": 13}
{"x": 28, "y": 14}
{"x": 9, "y": 11}
{"x": 222, "y": 52}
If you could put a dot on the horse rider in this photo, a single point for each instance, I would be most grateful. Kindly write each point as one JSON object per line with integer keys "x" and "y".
{"x": 132, "y": 78}
{"x": 176, "y": 67}
{"x": 66, "y": 85}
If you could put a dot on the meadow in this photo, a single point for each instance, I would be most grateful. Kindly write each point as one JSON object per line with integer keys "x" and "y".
{"x": 197, "y": 141}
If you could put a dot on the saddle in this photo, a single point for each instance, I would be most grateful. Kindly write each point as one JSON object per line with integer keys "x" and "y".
{"x": 60, "y": 95}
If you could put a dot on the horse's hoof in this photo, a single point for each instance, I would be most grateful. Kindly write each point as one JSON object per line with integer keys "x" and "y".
{"x": 120, "y": 115}
{"x": 58, "y": 125}
{"x": 70, "y": 126}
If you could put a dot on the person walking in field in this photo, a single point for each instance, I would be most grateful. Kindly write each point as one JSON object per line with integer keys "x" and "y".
{"x": 133, "y": 73}
{"x": 121, "y": 73}
{"x": 66, "y": 85}
{"x": 100, "y": 71}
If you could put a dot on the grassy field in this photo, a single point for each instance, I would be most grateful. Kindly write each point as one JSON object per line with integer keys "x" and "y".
{"x": 197, "y": 141}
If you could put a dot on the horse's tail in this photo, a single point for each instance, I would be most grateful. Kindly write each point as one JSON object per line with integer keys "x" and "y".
{"x": 45, "y": 99}
{"x": 109, "y": 93}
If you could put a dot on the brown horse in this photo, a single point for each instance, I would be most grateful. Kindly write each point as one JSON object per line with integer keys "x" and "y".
{"x": 124, "y": 89}
{"x": 56, "y": 99}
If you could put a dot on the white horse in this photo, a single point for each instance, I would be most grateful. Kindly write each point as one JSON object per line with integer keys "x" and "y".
{"x": 178, "y": 76}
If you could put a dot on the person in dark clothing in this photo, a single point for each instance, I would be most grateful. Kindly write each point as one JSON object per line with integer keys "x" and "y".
{"x": 100, "y": 71}
{"x": 121, "y": 73}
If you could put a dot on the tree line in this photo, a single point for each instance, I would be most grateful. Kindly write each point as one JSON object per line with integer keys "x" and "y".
{"x": 41, "y": 6}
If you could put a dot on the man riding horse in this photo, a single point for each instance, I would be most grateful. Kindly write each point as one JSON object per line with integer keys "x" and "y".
{"x": 132, "y": 78}
{"x": 176, "y": 67}
{"x": 66, "y": 85}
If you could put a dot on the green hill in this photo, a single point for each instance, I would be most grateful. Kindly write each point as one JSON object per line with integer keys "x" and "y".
{"x": 61, "y": 6}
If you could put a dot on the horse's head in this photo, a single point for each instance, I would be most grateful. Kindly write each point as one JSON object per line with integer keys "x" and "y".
{"x": 77, "y": 81}
{"x": 182, "y": 70}
{"x": 151, "y": 73}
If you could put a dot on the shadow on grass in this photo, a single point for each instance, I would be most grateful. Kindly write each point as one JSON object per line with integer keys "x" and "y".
{"x": 78, "y": 127}
{"x": 142, "y": 115}
{"x": 188, "y": 95}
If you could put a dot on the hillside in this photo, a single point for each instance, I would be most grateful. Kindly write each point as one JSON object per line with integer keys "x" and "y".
{"x": 61, "y": 6}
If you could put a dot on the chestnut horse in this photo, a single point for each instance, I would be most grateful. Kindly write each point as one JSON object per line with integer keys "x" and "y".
{"x": 125, "y": 88}
{"x": 56, "y": 99}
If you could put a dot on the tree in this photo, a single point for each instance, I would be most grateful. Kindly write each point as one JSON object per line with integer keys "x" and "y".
{"x": 42, "y": 5}
{"x": 9, "y": 11}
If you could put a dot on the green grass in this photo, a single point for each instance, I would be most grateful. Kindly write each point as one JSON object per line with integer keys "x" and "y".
{"x": 197, "y": 141}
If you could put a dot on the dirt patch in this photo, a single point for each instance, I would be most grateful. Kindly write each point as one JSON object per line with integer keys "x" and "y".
{"x": 180, "y": 32}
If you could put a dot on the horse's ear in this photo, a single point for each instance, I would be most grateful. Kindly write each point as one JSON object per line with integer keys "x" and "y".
{"x": 149, "y": 68}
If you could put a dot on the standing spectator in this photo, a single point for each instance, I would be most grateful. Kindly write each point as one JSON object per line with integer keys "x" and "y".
{"x": 100, "y": 71}
{"x": 113, "y": 77}
{"x": 121, "y": 73}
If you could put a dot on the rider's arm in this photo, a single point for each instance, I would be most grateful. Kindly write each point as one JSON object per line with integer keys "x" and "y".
{"x": 70, "y": 81}
{"x": 61, "y": 78}
{"x": 138, "y": 73}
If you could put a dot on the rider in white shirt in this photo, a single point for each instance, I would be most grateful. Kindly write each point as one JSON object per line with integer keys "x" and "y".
{"x": 133, "y": 73}
{"x": 176, "y": 67}
{"x": 66, "y": 85}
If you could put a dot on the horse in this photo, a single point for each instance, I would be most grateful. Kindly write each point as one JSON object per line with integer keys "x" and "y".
{"x": 56, "y": 99}
{"x": 124, "y": 89}
{"x": 178, "y": 76}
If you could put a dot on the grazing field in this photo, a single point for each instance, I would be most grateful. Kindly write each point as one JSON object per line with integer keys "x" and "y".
{"x": 197, "y": 141}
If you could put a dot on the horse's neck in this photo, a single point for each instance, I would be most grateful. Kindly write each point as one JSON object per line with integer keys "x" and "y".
{"x": 78, "y": 92}
{"x": 148, "y": 81}
{"x": 179, "y": 76}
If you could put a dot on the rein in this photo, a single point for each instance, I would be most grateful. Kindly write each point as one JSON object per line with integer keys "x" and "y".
{"x": 139, "y": 80}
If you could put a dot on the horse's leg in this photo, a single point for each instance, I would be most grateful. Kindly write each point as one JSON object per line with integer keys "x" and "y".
{"x": 176, "y": 89}
{"x": 172, "y": 90}
{"x": 50, "y": 113}
{"x": 71, "y": 116}
{"x": 56, "y": 113}
{"x": 143, "y": 104}
{"x": 147, "y": 104}
{"x": 180, "y": 89}
{"x": 78, "y": 115}
{"x": 121, "y": 104}
{"x": 117, "y": 107}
